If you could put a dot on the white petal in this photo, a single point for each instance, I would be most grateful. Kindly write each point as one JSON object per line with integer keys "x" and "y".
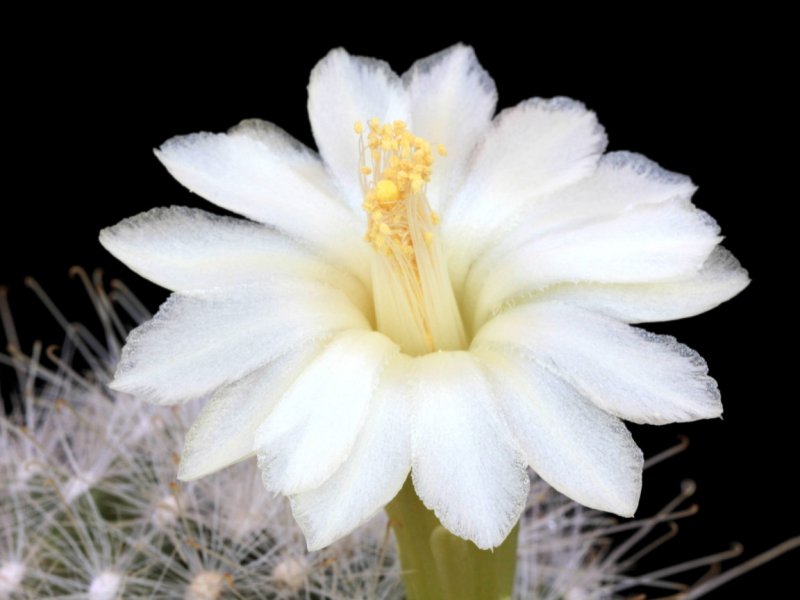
{"x": 622, "y": 181}
{"x": 649, "y": 243}
{"x": 465, "y": 464}
{"x": 720, "y": 279}
{"x": 344, "y": 89}
{"x": 374, "y": 472}
{"x": 630, "y": 373}
{"x": 580, "y": 450}
{"x": 452, "y": 103}
{"x": 185, "y": 248}
{"x": 224, "y": 431}
{"x": 532, "y": 149}
{"x": 259, "y": 171}
{"x": 202, "y": 339}
{"x": 314, "y": 426}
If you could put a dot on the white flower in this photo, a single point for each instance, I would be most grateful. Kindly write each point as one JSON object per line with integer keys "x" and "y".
{"x": 485, "y": 327}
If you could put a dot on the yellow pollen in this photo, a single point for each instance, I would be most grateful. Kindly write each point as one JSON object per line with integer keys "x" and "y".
{"x": 386, "y": 191}
{"x": 413, "y": 297}
{"x": 395, "y": 166}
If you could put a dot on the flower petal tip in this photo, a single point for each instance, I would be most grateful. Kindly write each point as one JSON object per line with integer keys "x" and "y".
{"x": 622, "y": 505}
{"x": 315, "y": 540}
{"x": 191, "y": 470}
{"x": 118, "y": 384}
{"x": 185, "y": 473}
{"x": 126, "y": 383}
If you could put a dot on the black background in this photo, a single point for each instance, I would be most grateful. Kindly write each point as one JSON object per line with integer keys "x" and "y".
{"x": 705, "y": 101}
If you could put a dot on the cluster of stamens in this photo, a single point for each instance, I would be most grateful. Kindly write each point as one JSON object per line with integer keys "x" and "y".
{"x": 414, "y": 301}
{"x": 395, "y": 166}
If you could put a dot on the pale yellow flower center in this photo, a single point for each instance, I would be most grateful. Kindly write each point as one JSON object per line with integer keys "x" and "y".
{"x": 414, "y": 301}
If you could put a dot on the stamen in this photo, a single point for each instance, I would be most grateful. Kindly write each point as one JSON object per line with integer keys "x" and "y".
{"x": 400, "y": 165}
{"x": 414, "y": 300}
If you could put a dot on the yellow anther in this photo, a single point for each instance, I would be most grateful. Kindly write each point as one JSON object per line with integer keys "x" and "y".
{"x": 394, "y": 169}
{"x": 387, "y": 190}
{"x": 435, "y": 218}
{"x": 395, "y": 166}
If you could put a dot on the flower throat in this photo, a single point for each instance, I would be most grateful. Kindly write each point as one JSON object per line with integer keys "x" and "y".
{"x": 414, "y": 301}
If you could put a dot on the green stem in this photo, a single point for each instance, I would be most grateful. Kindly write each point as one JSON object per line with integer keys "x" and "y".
{"x": 438, "y": 565}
